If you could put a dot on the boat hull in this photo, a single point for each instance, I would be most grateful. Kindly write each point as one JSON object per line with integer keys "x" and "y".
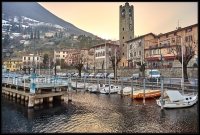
{"x": 148, "y": 94}
{"x": 180, "y": 104}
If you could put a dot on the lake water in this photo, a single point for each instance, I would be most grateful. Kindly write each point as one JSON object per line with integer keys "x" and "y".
{"x": 96, "y": 113}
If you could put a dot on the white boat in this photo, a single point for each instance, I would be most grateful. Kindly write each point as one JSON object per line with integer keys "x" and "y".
{"x": 113, "y": 89}
{"x": 174, "y": 99}
{"x": 94, "y": 88}
{"x": 79, "y": 85}
{"x": 126, "y": 91}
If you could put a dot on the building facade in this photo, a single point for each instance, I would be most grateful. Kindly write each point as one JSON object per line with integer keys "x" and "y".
{"x": 101, "y": 55}
{"x": 126, "y": 30}
{"x": 135, "y": 49}
{"x": 31, "y": 60}
{"x": 14, "y": 64}
{"x": 159, "y": 51}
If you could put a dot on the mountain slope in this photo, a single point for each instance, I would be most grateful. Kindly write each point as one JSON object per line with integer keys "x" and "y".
{"x": 35, "y": 11}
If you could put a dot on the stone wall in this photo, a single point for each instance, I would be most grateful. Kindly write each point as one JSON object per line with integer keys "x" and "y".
{"x": 167, "y": 72}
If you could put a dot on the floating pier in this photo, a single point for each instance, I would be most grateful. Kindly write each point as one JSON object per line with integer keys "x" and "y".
{"x": 44, "y": 90}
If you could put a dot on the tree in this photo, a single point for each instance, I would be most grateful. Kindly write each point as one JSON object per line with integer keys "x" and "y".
{"x": 142, "y": 67}
{"x": 63, "y": 65}
{"x": 46, "y": 59}
{"x": 188, "y": 53}
{"x": 6, "y": 40}
{"x": 78, "y": 64}
{"x": 115, "y": 62}
{"x": 38, "y": 34}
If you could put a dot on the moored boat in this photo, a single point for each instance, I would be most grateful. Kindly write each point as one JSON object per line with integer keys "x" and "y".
{"x": 139, "y": 94}
{"x": 174, "y": 99}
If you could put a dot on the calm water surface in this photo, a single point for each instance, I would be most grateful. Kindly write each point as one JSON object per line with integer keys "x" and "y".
{"x": 96, "y": 113}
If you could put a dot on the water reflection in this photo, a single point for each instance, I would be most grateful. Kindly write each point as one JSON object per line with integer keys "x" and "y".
{"x": 97, "y": 113}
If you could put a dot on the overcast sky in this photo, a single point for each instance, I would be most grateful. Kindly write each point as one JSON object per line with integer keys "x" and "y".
{"x": 102, "y": 18}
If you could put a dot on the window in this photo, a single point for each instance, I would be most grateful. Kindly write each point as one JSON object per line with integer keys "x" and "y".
{"x": 28, "y": 58}
{"x": 123, "y": 53}
{"x": 123, "y": 29}
{"x": 134, "y": 53}
{"x": 123, "y": 37}
{"x": 173, "y": 40}
{"x": 37, "y": 58}
{"x": 130, "y": 27}
{"x": 63, "y": 55}
{"x": 130, "y": 46}
{"x": 140, "y": 43}
{"x": 188, "y": 30}
{"x": 131, "y": 55}
{"x": 123, "y": 45}
{"x": 24, "y": 58}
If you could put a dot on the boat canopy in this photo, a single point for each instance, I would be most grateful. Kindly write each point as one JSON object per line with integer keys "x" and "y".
{"x": 174, "y": 95}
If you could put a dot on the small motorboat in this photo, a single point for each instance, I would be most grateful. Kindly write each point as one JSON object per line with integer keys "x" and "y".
{"x": 110, "y": 89}
{"x": 95, "y": 88}
{"x": 79, "y": 85}
{"x": 174, "y": 99}
{"x": 139, "y": 94}
{"x": 126, "y": 91}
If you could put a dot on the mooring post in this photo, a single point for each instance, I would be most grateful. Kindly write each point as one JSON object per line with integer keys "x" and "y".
{"x": 162, "y": 103}
{"x": 144, "y": 91}
{"x": 132, "y": 89}
{"x": 76, "y": 83}
{"x": 84, "y": 81}
{"x": 98, "y": 84}
{"x": 24, "y": 84}
{"x": 16, "y": 83}
{"x": 109, "y": 84}
{"x": 121, "y": 87}
{"x": 69, "y": 91}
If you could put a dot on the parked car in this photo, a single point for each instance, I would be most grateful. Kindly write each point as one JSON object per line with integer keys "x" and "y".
{"x": 153, "y": 75}
{"x": 86, "y": 75}
{"x": 111, "y": 75}
{"x": 92, "y": 75}
{"x": 104, "y": 75}
{"x": 75, "y": 75}
{"x": 82, "y": 75}
{"x": 135, "y": 76}
{"x": 98, "y": 75}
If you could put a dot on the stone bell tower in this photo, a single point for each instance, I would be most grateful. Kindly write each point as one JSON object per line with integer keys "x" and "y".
{"x": 126, "y": 30}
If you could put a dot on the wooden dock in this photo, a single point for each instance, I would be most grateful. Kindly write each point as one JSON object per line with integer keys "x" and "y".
{"x": 34, "y": 99}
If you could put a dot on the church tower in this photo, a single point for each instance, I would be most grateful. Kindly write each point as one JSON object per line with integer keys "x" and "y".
{"x": 126, "y": 30}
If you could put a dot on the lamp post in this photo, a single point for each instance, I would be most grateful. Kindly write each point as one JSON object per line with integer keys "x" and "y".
{"x": 115, "y": 65}
{"x": 105, "y": 63}
{"x": 182, "y": 79}
{"x": 182, "y": 82}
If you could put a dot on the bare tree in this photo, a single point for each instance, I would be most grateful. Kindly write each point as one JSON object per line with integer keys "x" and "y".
{"x": 115, "y": 62}
{"x": 78, "y": 64}
{"x": 188, "y": 54}
{"x": 142, "y": 67}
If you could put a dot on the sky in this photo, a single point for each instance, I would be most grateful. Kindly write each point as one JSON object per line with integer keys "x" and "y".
{"x": 102, "y": 18}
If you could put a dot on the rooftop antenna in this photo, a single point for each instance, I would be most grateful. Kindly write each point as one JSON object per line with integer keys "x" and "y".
{"x": 178, "y": 25}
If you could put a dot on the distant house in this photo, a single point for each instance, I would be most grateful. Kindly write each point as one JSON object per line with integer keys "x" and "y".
{"x": 102, "y": 53}
{"x": 29, "y": 60}
{"x": 14, "y": 64}
{"x": 49, "y": 35}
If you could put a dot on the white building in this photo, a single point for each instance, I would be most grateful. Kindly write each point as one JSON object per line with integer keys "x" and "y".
{"x": 101, "y": 59}
{"x": 30, "y": 60}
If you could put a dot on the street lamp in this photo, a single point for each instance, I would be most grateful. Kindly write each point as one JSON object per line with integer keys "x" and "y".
{"x": 182, "y": 83}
